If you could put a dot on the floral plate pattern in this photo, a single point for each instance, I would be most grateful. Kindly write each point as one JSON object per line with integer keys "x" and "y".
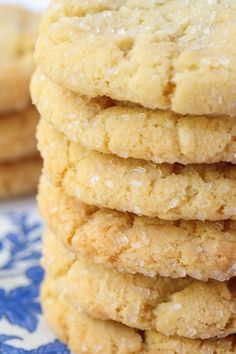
{"x": 22, "y": 326}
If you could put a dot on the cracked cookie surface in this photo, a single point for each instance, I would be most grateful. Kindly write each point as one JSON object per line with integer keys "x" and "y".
{"x": 86, "y": 335}
{"x": 137, "y": 244}
{"x": 159, "y": 54}
{"x": 145, "y": 303}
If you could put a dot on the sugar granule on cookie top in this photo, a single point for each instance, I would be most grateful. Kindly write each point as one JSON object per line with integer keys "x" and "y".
{"x": 175, "y": 54}
{"x": 18, "y": 31}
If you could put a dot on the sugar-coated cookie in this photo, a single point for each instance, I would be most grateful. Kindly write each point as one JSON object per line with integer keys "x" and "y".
{"x": 134, "y": 244}
{"x": 86, "y": 335}
{"x": 183, "y": 307}
{"x": 175, "y": 54}
{"x": 171, "y": 192}
{"x": 128, "y": 130}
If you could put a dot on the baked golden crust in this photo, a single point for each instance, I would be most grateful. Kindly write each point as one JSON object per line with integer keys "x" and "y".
{"x": 157, "y": 54}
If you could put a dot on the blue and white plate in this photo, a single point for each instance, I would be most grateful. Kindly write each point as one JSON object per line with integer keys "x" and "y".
{"x": 23, "y": 329}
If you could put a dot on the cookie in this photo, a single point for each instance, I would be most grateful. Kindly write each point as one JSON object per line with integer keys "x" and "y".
{"x": 18, "y": 29}
{"x": 131, "y": 131}
{"x": 18, "y": 135}
{"x": 136, "y": 244}
{"x": 20, "y": 177}
{"x": 159, "y": 54}
{"x": 86, "y": 335}
{"x": 159, "y": 303}
{"x": 172, "y": 192}
{"x": 157, "y": 343}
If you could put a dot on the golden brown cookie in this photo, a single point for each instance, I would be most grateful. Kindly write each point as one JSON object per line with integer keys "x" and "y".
{"x": 86, "y": 335}
{"x": 172, "y": 192}
{"x": 18, "y": 29}
{"x": 20, "y": 177}
{"x": 160, "y": 54}
{"x": 131, "y": 131}
{"x": 159, "y": 303}
{"x": 17, "y": 135}
{"x": 159, "y": 344}
{"x": 137, "y": 244}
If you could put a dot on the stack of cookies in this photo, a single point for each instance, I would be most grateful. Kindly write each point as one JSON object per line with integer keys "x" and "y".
{"x": 138, "y": 136}
{"x": 19, "y": 161}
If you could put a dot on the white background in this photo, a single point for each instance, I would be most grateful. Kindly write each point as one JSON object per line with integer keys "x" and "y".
{"x": 36, "y": 5}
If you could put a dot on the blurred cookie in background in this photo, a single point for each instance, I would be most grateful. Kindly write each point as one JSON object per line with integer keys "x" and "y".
{"x": 18, "y": 31}
{"x": 20, "y": 177}
{"x": 17, "y": 138}
{"x": 19, "y": 161}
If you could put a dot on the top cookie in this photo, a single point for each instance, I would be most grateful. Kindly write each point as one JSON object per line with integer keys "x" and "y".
{"x": 176, "y": 54}
{"x": 18, "y": 31}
